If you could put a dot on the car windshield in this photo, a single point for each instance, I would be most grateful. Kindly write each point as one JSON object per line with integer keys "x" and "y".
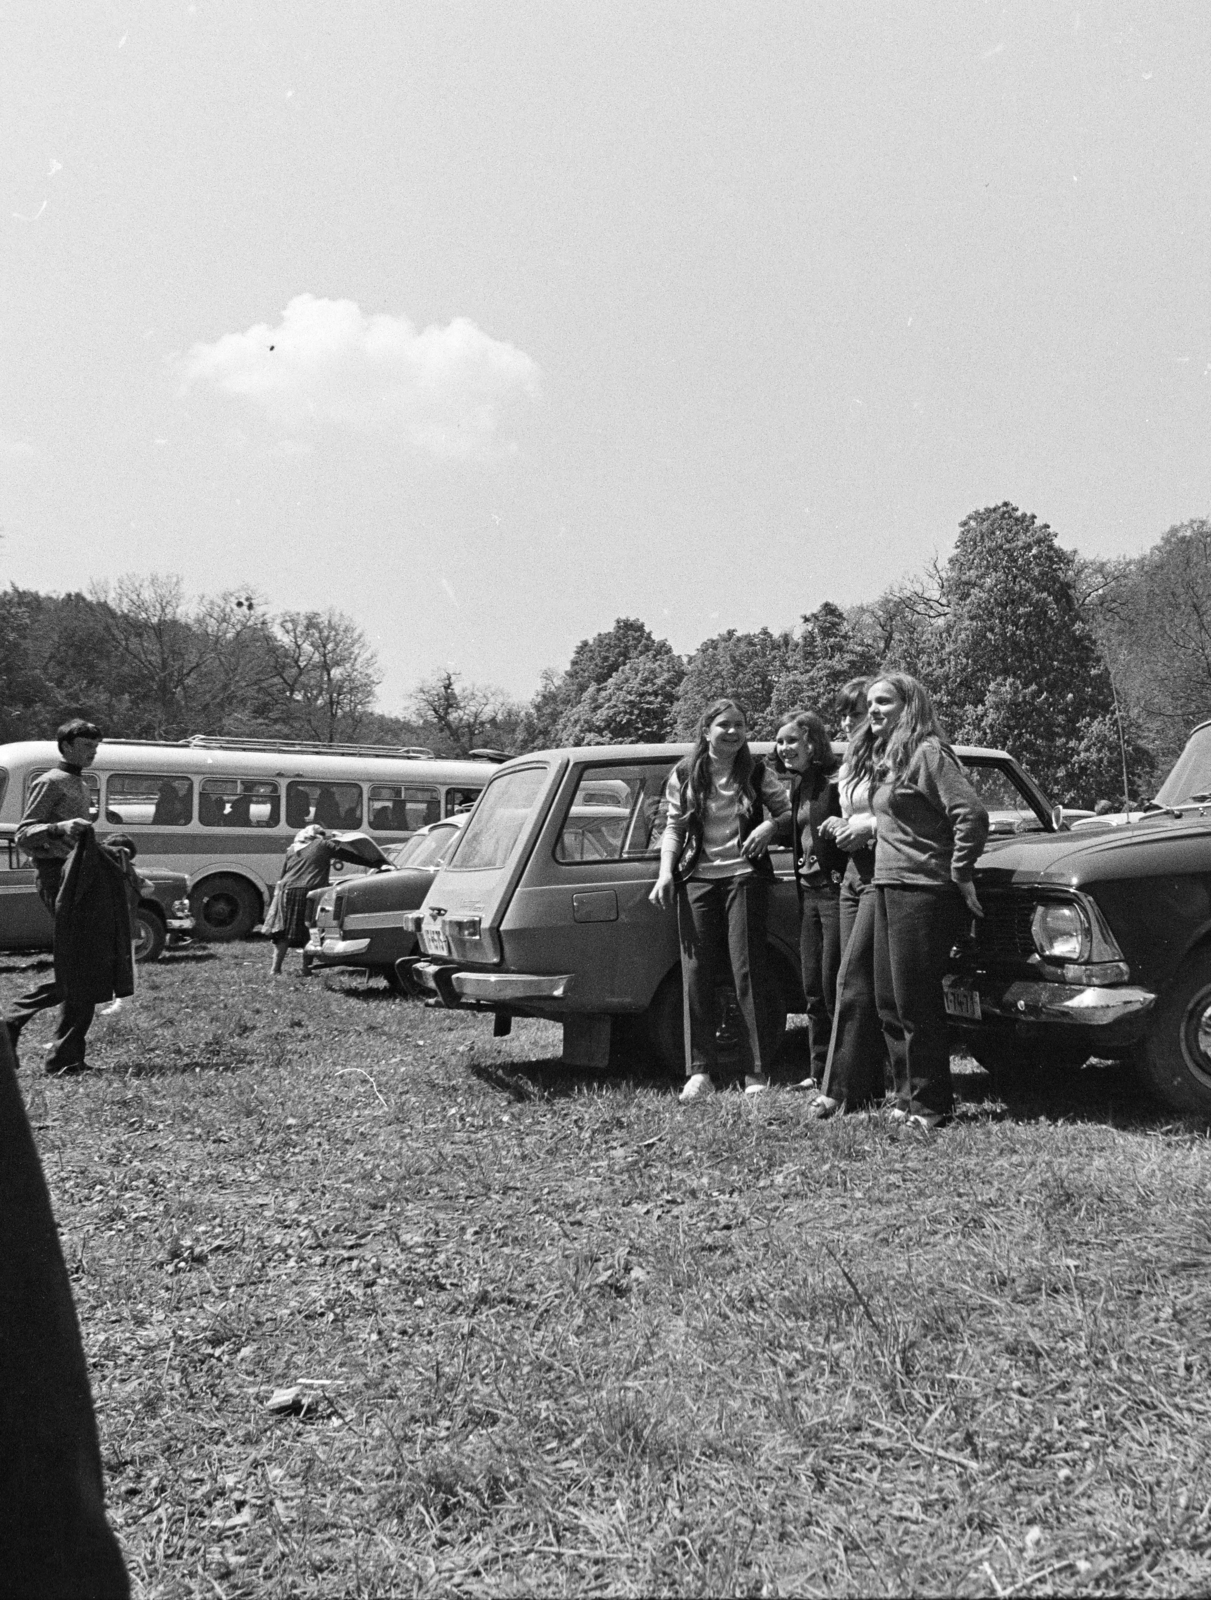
{"x": 499, "y": 819}
{"x": 433, "y": 846}
{"x": 1190, "y": 779}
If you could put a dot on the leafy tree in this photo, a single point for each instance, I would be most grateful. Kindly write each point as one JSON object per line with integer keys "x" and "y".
{"x": 829, "y": 651}
{"x": 1016, "y": 664}
{"x": 327, "y": 672}
{"x": 457, "y": 717}
{"x": 1153, "y": 617}
{"x": 633, "y": 706}
{"x": 596, "y": 660}
{"x": 566, "y": 708}
{"x": 747, "y": 665}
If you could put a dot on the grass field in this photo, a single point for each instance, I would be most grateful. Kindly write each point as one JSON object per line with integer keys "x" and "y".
{"x": 552, "y": 1333}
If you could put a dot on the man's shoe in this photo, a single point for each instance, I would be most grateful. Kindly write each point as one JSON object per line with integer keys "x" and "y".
{"x": 696, "y": 1086}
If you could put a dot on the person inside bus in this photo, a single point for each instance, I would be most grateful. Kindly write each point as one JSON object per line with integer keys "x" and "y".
{"x": 328, "y": 813}
{"x": 172, "y": 804}
{"x": 239, "y": 812}
{"x": 298, "y": 806}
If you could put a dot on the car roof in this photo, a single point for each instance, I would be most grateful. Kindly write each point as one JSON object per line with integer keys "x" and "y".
{"x": 650, "y": 752}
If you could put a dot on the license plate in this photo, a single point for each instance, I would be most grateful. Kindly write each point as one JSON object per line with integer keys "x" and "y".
{"x": 435, "y": 941}
{"x": 962, "y": 1001}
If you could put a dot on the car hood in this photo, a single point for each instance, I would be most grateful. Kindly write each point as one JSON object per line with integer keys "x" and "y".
{"x": 1089, "y": 853}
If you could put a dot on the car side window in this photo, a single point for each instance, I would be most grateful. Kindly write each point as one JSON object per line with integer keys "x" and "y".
{"x": 1009, "y": 811}
{"x": 614, "y": 814}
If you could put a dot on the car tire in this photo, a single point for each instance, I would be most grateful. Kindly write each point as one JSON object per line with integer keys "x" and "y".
{"x": 665, "y": 1024}
{"x": 392, "y": 979}
{"x": 149, "y": 935}
{"x": 225, "y": 908}
{"x": 1174, "y": 1061}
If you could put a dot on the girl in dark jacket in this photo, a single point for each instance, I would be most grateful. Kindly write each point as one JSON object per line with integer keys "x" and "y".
{"x": 802, "y": 748}
{"x": 713, "y": 864}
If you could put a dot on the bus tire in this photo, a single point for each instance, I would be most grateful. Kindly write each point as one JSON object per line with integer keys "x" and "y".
{"x": 149, "y": 935}
{"x": 225, "y": 908}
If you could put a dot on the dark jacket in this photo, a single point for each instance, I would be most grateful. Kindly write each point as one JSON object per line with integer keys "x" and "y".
{"x": 932, "y": 823}
{"x": 56, "y": 1543}
{"x": 93, "y": 958}
{"x": 819, "y": 863}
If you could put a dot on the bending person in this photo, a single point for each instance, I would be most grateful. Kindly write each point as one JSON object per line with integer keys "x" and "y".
{"x": 713, "y": 863}
{"x": 308, "y": 864}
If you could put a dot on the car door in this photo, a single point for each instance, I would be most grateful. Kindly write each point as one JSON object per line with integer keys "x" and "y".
{"x": 25, "y": 923}
{"x": 582, "y": 906}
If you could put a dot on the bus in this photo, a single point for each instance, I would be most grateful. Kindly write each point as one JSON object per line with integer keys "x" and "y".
{"x": 223, "y": 810}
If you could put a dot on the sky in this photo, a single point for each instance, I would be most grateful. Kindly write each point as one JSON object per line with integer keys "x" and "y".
{"x": 487, "y": 324}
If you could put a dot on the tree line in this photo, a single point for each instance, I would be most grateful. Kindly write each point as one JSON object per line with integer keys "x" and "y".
{"x": 1092, "y": 672}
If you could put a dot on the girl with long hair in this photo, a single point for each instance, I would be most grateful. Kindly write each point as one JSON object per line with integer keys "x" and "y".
{"x": 714, "y": 866}
{"x": 803, "y": 749}
{"x": 930, "y": 828}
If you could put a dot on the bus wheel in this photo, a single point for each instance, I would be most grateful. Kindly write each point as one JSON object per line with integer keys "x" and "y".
{"x": 149, "y": 935}
{"x": 225, "y": 908}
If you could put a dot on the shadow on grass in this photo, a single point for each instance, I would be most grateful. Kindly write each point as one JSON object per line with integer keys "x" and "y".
{"x": 185, "y": 954}
{"x": 16, "y": 963}
{"x": 373, "y": 991}
{"x": 1104, "y": 1092}
{"x": 553, "y": 1079}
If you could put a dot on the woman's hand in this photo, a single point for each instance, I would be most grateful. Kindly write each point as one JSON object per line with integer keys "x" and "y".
{"x": 849, "y": 835}
{"x": 970, "y": 898}
{"x": 663, "y": 892}
{"x": 758, "y": 842}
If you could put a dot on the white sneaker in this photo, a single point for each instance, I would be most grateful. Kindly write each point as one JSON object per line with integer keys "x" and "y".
{"x": 699, "y": 1084}
{"x": 756, "y": 1085}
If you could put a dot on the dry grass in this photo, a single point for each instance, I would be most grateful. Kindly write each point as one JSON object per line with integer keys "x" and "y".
{"x": 554, "y": 1333}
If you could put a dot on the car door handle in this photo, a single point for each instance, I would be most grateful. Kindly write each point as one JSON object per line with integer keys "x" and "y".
{"x": 595, "y": 905}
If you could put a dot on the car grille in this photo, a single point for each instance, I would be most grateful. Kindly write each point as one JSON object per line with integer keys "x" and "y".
{"x": 1004, "y": 933}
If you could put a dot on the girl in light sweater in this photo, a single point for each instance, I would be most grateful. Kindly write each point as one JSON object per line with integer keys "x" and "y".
{"x": 724, "y": 808}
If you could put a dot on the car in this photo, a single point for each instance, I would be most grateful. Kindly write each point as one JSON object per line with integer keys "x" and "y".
{"x": 161, "y": 920}
{"x": 542, "y": 909}
{"x": 358, "y": 922}
{"x": 1097, "y": 943}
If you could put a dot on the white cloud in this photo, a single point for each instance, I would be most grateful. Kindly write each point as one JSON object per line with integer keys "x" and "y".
{"x": 440, "y": 390}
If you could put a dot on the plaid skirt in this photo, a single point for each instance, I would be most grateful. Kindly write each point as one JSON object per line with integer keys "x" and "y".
{"x": 287, "y": 919}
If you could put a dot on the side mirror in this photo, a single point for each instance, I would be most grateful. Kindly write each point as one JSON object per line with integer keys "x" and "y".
{"x": 1058, "y": 825}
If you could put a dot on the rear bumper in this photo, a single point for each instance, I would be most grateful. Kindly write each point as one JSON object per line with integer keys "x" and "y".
{"x": 455, "y": 986}
{"x": 336, "y": 949}
{"x": 180, "y": 924}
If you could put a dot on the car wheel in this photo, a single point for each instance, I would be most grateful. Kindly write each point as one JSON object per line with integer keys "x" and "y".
{"x": 225, "y": 908}
{"x": 665, "y": 1025}
{"x": 1174, "y": 1060}
{"x": 149, "y": 935}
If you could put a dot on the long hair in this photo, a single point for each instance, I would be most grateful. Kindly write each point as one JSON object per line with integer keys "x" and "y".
{"x": 917, "y": 722}
{"x": 815, "y": 735}
{"x": 851, "y": 697}
{"x": 697, "y": 766}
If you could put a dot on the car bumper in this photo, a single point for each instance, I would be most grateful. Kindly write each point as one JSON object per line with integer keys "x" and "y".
{"x": 1115, "y": 1010}
{"x": 181, "y": 924}
{"x": 456, "y": 986}
{"x": 337, "y": 949}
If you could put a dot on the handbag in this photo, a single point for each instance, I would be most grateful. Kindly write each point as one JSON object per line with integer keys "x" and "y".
{"x": 691, "y": 849}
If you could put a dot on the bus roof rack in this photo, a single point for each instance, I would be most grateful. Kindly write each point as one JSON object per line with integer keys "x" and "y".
{"x": 413, "y": 752}
{"x": 486, "y": 754}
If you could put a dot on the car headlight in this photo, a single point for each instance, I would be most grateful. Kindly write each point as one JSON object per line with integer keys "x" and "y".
{"x": 180, "y": 908}
{"x": 1060, "y": 930}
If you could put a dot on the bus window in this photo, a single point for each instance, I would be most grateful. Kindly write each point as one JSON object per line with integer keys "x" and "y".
{"x": 148, "y": 799}
{"x": 403, "y": 807}
{"x": 91, "y": 782}
{"x": 332, "y": 805}
{"x": 238, "y": 803}
{"x": 460, "y": 799}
